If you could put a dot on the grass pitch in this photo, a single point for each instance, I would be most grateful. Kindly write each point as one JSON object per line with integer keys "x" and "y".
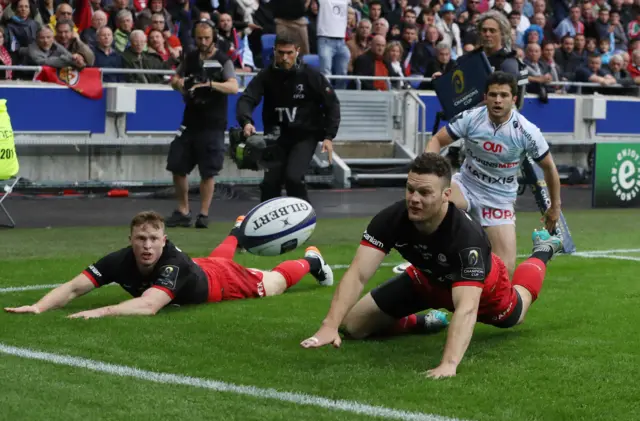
{"x": 575, "y": 358}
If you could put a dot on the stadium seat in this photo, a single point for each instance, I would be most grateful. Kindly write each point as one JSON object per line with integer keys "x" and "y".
{"x": 312, "y": 60}
{"x": 268, "y": 42}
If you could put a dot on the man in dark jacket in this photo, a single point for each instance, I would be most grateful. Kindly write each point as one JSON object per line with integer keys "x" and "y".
{"x": 298, "y": 101}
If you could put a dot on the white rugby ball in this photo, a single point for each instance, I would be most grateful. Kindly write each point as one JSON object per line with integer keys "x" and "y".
{"x": 277, "y": 226}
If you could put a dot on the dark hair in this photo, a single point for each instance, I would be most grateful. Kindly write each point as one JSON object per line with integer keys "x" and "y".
{"x": 502, "y": 78}
{"x": 410, "y": 26}
{"x": 64, "y": 22}
{"x": 565, "y": 38}
{"x": 282, "y": 39}
{"x": 432, "y": 163}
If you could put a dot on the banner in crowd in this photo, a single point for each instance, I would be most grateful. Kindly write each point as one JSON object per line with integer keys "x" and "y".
{"x": 86, "y": 82}
{"x": 616, "y": 181}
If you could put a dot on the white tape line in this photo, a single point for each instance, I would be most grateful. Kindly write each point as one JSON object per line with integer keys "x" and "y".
{"x": 218, "y": 386}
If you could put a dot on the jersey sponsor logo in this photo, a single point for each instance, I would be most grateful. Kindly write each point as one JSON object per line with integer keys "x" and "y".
{"x": 501, "y": 165}
{"x": 501, "y": 316}
{"x": 289, "y": 113}
{"x": 532, "y": 143}
{"x": 279, "y": 213}
{"x": 95, "y": 271}
{"x": 490, "y": 179}
{"x": 372, "y": 240}
{"x": 492, "y": 147}
{"x": 472, "y": 265}
{"x": 168, "y": 277}
{"x": 491, "y": 213}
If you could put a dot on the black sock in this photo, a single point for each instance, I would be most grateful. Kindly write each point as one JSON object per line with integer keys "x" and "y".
{"x": 543, "y": 252}
{"x": 314, "y": 264}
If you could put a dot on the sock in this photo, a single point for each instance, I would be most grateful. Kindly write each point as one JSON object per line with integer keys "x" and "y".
{"x": 293, "y": 270}
{"x": 530, "y": 274}
{"x": 226, "y": 249}
{"x": 543, "y": 253}
{"x": 314, "y": 264}
{"x": 404, "y": 325}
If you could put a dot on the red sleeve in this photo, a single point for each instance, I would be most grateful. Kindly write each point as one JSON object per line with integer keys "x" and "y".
{"x": 468, "y": 284}
{"x": 91, "y": 278}
{"x": 368, "y": 244}
{"x": 165, "y": 290}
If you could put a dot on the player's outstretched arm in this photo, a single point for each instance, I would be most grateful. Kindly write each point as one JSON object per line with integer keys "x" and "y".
{"x": 438, "y": 141}
{"x": 552, "y": 178}
{"x": 466, "y": 300}
{"x": 148, "y": 304}
{"x": 362, "y": 268}
{"x": 58, "y": 297}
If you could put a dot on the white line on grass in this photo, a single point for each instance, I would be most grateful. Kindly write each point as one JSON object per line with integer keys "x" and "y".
{"x": 218, "y": 386}
{"x": 592, "y": 254}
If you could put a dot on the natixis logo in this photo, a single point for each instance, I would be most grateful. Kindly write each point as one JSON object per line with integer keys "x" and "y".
{"x": 625, "y": 174}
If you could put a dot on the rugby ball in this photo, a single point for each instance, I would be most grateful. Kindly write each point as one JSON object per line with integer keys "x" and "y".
{"x": 277, "y": 226}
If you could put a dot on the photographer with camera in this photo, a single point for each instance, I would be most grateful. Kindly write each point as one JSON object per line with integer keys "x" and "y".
{"x": 205, "y": 78}
{"x": 300, "y": 105}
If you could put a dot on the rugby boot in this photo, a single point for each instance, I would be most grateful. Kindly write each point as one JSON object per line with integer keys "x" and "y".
{"x": 545, "y": 242}
{"x": 324, "y": 275}
{"x": 432, "y": 322}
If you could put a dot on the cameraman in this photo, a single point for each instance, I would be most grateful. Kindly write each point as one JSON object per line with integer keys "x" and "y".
{"x": 300, "y": 102}
{"x": 205, "y": 78}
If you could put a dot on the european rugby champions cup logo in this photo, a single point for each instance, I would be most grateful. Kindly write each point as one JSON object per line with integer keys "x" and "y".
{"x": 625, "y": 175}
{"x": 462, "y": 96}
{"x": 457, "y": 80}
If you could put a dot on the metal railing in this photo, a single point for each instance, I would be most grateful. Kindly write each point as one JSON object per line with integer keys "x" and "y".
{"x": 242, "y": 76}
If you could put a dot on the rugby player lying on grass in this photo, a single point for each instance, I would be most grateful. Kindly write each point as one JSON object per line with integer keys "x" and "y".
{"x": 157, "y": 273}
{"x": 452, "y": 267}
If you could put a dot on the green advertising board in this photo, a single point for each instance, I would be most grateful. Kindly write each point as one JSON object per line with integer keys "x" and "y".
{"x": 616, "y": 181}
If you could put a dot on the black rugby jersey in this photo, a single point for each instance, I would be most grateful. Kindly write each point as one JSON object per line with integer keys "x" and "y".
{"x": 458, "y": 252}
{"x": 174, "y": 273}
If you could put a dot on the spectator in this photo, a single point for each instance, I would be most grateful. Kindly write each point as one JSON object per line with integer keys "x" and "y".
{"x": 416, "y": 57}
{"x": 114, "y": 11}
{"x": 393, "y": 54}
{"x": 373, "y": 63}
{"x": 442, "y": 64}
{"x": 620, "y": 74}
{"x": 21, "y": 30}
{"x": 9, "y": 12}
{"x": 602, "y": 24}
{"x": 90, "y": 35}
{"x": 571, "y": 25}
{"x": 375, "y": 11}
{"x": 63, "y": 12}
{"x": 381, "y": 27}
{"x": 290, "y": 21}
{"x": 312, "y": 26}
{"x": 502, "y": 6}
{"x": 332, "y": 27}
{"x": 449, "y": 29}
{"x": 123, "y": 30}
{"x": 539, "y": 73}
{"x": 605, "y": 49}
{"x": 81, "y": 53}
{"x": 144, "y": 19}
{"x": 135, "y": 57}
{"x": 619, "y": 33}
{"x": 580, "y": 47}
{"x": 432, "y": 38}
{"x": 589, "y": 20}
{"x": 594, "y": 73}
{"x": 533, "y": 34}
{"x": 5, "y": 58}
{"x": 548, "y": 54}
{"x": 46, "y": 52}
{"x": 518, "y": 6}
{"x": 540, "y": 20}
{"x": 395, "y": 16}
{"x": 47, "y": 9}
{"x": 237, "y": 45}
{"x": 159, "y": 23}
{"x": 106, "y": 56}
{"x": 514, "y": 21}
{"x": 359, "y": 44}
{"x": 591, "y": 46}
{"x": 634, "y": 66}
{"x": 352, "y": 22}
{"x": 159, "y": 47}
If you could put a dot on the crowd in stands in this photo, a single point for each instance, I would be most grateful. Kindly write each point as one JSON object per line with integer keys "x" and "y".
{"x": 559, "y": 40}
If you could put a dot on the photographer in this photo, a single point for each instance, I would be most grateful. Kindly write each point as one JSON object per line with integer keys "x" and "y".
{"x": 205, "y": 78}
{"x": 300, "y": 103}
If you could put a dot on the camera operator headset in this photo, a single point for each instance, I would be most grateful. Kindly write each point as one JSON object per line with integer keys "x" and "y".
{"x": 300, "y": 103}
{"x": 206, "y": 78}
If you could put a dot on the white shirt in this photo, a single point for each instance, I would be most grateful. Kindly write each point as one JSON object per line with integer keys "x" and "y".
{"x": 332, "y": 18}
{"x": 494, "y": 153}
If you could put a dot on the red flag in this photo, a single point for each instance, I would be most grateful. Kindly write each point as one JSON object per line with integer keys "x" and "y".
{"x": 87, "y": 82}
{"x": 82, "y": 15}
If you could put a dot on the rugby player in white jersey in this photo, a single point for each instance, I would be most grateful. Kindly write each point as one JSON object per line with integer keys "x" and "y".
{"x": 497, "y": 137}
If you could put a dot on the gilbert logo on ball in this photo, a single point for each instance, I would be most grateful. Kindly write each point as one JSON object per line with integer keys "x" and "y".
{"x": 625, "y": 177}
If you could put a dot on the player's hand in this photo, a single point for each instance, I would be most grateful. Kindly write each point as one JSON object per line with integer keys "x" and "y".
{"x": 248, "y": 129}
{"x": 23, "y": 309}
{"x": 550, "y": 218}
{"x": 325, "y": 336}
{"x": 442, "y": 371}
{"x": 327, "y": 146}
{"x": 89, "y": 314}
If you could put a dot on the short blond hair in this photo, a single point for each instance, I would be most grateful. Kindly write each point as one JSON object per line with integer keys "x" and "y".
{"x": 152, "y": 218}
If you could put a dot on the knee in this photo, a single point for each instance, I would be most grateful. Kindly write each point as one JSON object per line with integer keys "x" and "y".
{"x": 352, "y": 329}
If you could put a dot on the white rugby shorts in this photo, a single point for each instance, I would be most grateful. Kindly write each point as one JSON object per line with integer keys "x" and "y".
{"x": 487, "y": 214}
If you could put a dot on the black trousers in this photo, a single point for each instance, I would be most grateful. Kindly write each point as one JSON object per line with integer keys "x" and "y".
{"x": 291, "y": 170}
